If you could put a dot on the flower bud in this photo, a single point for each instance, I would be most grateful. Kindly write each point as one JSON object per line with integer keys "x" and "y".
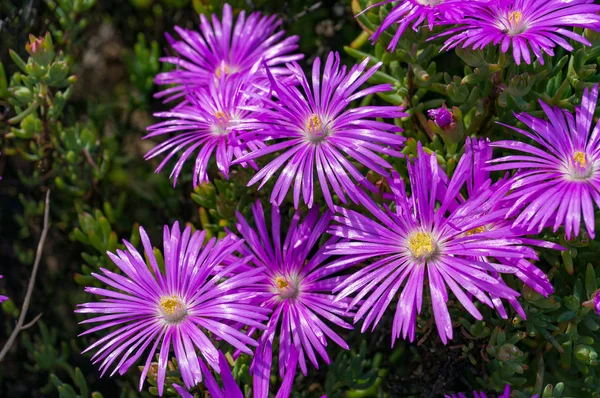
{"x": 508, "y": 352}
{"x": 441, "y": 116}
{"x": 40, "y": 49}
{"x": 586, "y": 354}
{"x": 448, "y": 125}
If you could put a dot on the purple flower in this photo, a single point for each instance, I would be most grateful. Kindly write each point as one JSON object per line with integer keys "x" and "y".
{"x": 173, "y": 308}
{"x": 230, "y": 388}
{"x": 297, "y": 288}
{"x": 316, "y": 131}
{"x": 441, "y": 116}
{"x": 225, "y": 48}
{"x": 418, "y": 12}
{"x": 209, "y": 121}
{"x": 561, "y": 181}
{"x": 434, "y": 233}
{"x": 536, "y": 25}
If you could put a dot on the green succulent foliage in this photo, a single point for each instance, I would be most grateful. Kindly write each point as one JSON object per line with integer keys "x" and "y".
{"x": 71, "y": 19}
{"x": 36, "y": 91}
{"x": 143, "y": 65}
{"x": 354, "y": 375}
{"x": 551, "y": 391}
{"x": 47, "y": 354}
{"x": 67, "y": 391}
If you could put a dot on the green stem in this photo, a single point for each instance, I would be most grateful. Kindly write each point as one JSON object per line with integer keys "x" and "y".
{"x": 34, "y": 105}
{"x": 360, "y": 40}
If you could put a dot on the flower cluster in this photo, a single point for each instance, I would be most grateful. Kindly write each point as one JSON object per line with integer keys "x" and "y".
{"x": 236, "y": 118}
{"x": 523, "y": 26}
{"x": 287, "y": 285}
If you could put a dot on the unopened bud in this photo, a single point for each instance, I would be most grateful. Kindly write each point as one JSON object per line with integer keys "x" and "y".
{"x": 41, "y": 49}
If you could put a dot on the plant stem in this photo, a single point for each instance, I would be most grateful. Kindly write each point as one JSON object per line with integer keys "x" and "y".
{"x": 36, "y": 264}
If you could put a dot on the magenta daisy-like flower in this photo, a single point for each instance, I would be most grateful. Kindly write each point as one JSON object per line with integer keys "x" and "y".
{"x": 419, "y": 12}
{"x": 225, "y": 48}
{"x": 317, "y": 132}
{"x": 559, "y": 182}
{"x": 525, "y": 25}
{"x": 436, "y": 236}
{"x": 297, "y": 287}
{"x": 230, "y": 388}
{"x": 208, "y": 123}
{"x": 177, "y": 308}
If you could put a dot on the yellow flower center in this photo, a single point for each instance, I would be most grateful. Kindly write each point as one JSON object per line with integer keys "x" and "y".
{"x": 281, "y": 283}
{"x": 579, "y": 157}
{"x": 515, "y": 17}
{"x": 225, "y": 69}
{"x": 315, "y": 130}
{"x": 170, "y": 304}
{"x": 313, "y": 123}
{"x": 421, "y": 244}
{"x": 222, "y": 116}
{"x": 172, "y": 309}
{"x": 286, "y": 287}
{"x": 515, "y": 24}
{"x": 474, "y": 231}
{"x": 221, "y": 127}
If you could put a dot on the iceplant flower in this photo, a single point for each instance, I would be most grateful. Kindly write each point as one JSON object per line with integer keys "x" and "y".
{"x": 436, "y": 234}
{"x": 225, "y": 47}
{"x": 524, "y": 26}
{"x": 558, "y": 178}
{"x": 316, "y": 131}
{"x": 176, "y": 308}
{"x": 297, "y": 288}
{"x": 418, "y": 13}
{"x": 208, "y": 123}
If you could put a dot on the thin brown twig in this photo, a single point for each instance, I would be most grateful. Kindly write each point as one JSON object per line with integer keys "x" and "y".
{"x": 36, "y": 264}
{"x": 33, "y": 321}
{"x": 90, "y": 160}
